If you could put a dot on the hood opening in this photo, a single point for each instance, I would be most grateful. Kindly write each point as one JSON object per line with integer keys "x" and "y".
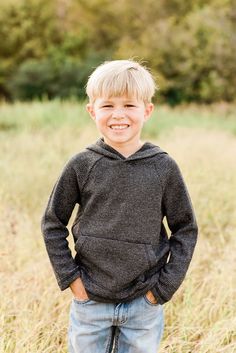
{"x": 148, "y": 149}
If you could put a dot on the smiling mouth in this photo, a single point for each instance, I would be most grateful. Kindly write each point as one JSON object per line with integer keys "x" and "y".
{"x": 119, "y": 126}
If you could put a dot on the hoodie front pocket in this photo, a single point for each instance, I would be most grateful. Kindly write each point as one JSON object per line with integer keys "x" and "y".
{"x": 114, "y": 264}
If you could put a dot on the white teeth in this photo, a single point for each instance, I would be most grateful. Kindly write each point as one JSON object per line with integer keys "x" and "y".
{"x": 119, "y": 126}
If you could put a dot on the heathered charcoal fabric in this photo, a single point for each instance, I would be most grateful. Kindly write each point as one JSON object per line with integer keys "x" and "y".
{"x": 122, "y": 247}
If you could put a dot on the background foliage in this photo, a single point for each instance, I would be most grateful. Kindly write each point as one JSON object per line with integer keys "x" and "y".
{"x": 49, "y": 47}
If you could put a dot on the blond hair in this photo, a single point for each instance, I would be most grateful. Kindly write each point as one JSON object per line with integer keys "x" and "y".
{"x": 121, "y": 77}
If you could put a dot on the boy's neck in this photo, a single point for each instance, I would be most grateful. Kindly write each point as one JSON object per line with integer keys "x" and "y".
{"x": 125, "y": 149}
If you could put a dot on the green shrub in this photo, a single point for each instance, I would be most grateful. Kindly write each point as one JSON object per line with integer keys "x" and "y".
{"x": 40, "y": 78}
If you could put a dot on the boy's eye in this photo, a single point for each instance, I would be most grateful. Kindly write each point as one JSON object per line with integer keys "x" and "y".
{"x": 111, "y": 106}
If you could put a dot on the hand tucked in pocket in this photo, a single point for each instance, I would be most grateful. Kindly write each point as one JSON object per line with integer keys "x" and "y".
{"x": 78, "y": 289}
{"x": 151, "y": 297}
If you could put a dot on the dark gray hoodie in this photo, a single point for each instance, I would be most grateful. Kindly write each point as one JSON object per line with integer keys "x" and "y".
{"x": 122, "y": 247}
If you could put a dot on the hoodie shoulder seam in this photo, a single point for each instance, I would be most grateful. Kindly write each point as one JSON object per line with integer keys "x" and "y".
{"x": 158, "y": 172}
{"x": 89, "y": 172}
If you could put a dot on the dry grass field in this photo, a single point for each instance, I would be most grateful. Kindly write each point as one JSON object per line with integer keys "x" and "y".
{"x": 201, "y": 317}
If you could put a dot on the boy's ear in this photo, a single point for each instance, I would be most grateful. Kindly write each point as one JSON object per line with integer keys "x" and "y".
{"x": 90, "y": 110}
{"x": 148, "y": 110}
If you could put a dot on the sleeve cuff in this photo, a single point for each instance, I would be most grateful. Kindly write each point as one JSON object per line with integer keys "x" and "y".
{"x": 65, "y": 283}
{"x": 157, "y": 295}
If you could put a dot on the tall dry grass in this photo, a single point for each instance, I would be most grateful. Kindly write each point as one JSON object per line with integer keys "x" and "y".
{"x": 34, "y": 312}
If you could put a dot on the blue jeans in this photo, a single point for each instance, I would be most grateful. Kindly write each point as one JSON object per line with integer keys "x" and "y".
{"x": 132, "y": 327}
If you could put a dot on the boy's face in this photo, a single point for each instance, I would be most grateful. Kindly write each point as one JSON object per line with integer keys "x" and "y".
{"x": 120, "y": 119}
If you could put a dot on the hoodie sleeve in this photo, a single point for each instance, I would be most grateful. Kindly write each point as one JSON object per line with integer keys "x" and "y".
{"x": 64, "y": 196}
{"x": 178, "y": 209}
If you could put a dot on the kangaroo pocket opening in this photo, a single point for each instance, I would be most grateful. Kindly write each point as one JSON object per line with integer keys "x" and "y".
{"x": 114, "y": 264}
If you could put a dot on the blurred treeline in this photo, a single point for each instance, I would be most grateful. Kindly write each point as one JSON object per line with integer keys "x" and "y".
{"x": 49, "y": 47}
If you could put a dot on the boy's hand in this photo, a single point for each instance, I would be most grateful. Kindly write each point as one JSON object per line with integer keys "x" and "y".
{"x": 78, "y": 289}
{"x": 151, "y": 297}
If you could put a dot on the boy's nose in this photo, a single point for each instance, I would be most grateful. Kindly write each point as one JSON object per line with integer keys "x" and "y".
{"x": 117, "y": 113}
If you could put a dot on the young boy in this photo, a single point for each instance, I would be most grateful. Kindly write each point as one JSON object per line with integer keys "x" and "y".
{"x": 126, "y": 267}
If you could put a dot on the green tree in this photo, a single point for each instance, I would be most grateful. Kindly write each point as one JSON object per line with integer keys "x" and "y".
{"x": 189, "y": 45}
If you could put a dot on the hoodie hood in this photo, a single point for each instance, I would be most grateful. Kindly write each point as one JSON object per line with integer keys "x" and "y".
{"x": 147, "y": 150}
